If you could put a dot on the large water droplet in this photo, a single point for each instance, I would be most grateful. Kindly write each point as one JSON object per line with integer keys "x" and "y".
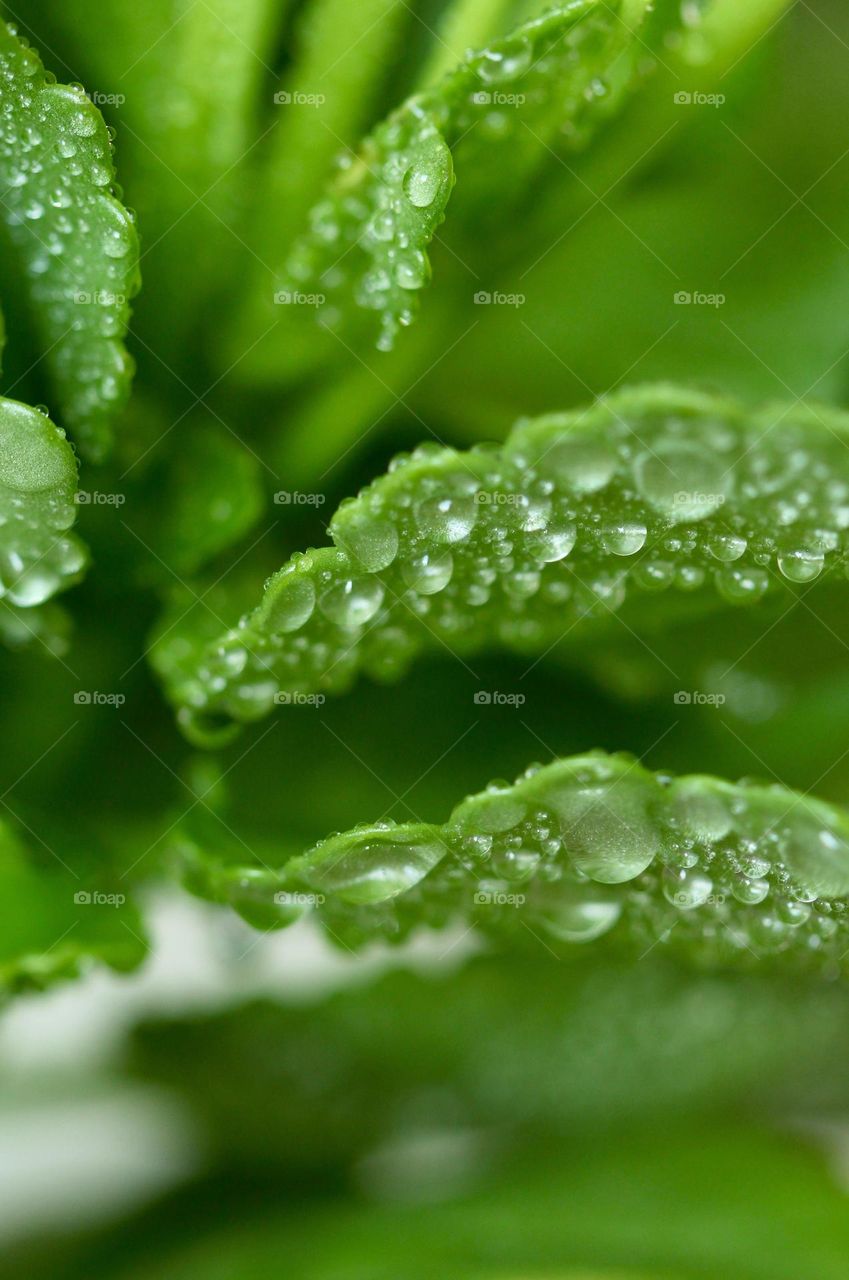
{"x": 421, "y": 183}
{"x": 802, "y": 564}
{"x": 580, "y": 461}
{"x": 624, "y": 538}
{"x": 372, "y": 540}
{"x": 372, "y": 866}
{"x": 815, "y": 848}
{"x": 447, "y": 519}
{"x": 353, "y": 602}
{"x": 554, "y": 543}
{"x": 684, "y": 482}
{"x": 607, "y": 830}
{"x": 428, "y": 573}
{"x": 506, "y": 61}
{"x": 742, "y": 586}
{"x": 575, "y": 913}
{"x": 288, "y": 603}
{"x": 687, "y": 890}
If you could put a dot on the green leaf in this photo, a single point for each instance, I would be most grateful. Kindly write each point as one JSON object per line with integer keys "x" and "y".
{"x": 206, "y": 495}
{"x": 181, "y": 81}
{"x": 583, "y": 848}
{"x": 38, "y": 481}
{"x": 54, "y": 924}
{"x": 68, "y": 248}
{"x": 648, "y": 491}
{"x": 495, "y": 117}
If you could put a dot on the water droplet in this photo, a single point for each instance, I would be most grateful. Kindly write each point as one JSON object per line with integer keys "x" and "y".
{"x": 428, "y": 573}
{"x": 574, "y": 913}
{"x": 742, "y": 586}
{"x": 554, "y": 543}
{"x": 447, "y": 519}
{"x": 607, "y": 830}
{"x": 687, "y": 890}
{"x": 288, "y": 603}
{"x": 581, "y": 461}
{"x": 371, "y": 540}
{"x": 684, "y": 482}
{"x": 802, "y": 564}
{"x": 624, "y": 538}
{"x": 352, "y": 602}
{"x": 506, "y": 61}
{"x": 372, "y": 866}
{"x": 815, "y": 848}
{"x": 421, "y": 184}
{"x": 34, "y": 587}
{"x": 749, "y": 891}
{"x": 726, "y": 547}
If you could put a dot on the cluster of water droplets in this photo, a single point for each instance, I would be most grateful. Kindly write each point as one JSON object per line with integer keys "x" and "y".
{"x": 74, "y": 241}
{"x": 38, "y": 555}
{"x": 369, "y": 236}
{"x": 728, "y": 873}
{"x": 651, "y": 491}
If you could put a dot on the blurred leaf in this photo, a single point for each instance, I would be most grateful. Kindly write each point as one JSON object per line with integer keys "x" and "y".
{"x": 68, "y": 248}
{"x": 38, "y": 482}
{"x": 54, "y": 924}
